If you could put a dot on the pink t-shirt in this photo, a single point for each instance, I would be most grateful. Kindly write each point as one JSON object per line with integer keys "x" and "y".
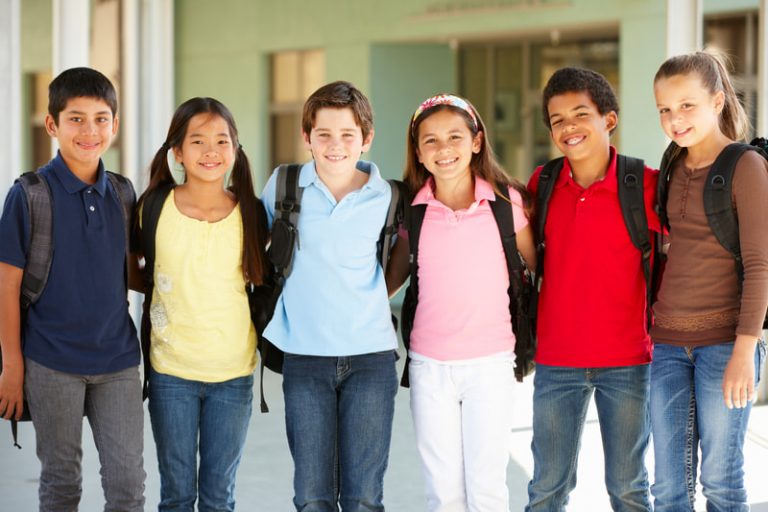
{"x": 463, "y": 310}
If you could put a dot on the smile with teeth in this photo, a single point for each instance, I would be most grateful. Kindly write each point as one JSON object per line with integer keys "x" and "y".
{"x": 335, "y": 158}
{"x": 572, "y": 141}
{"x": 447, "y": 161}
{"x": 209, "y": 165}
{"x": 680, "y": 133}
{"x": 86, "y": 145}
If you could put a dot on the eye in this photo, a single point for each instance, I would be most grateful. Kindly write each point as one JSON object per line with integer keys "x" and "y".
{"x": 556, "y": 122}
{"x": 687, "y": 106}
{"x": 75, "y": 119}
{"x": 429, "y": 140}
{"x": 663, "y": 110}
{"x": 582, "y": 114}
{"x": 456, "y": 137}
{"x": 102, "y": 119}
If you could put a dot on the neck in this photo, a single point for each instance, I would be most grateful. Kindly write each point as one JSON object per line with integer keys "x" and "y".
{"x": 706, "y": 151}
{"x": 340, "y": 185}
{"x": 456, "y": 194}
{"x": 592, "y": 169}
{"x": 205, "y": 194}
{"x": 86, "y": 174}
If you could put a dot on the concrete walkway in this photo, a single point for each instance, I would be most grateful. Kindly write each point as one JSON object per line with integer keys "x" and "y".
{"x": 264, "y": 480}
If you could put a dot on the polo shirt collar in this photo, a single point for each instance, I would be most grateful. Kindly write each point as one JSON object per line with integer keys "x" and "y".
{"x": 609, "y": 182}
{"x": 375, "y": 182}
{"x": 483, "y": 190}
{"x": 71, "y": 183}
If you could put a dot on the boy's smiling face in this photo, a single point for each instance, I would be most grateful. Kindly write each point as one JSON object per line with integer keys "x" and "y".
{"x": 576, "y": 126}
{"x": 84, "y": 130}
{"x": 336, "y": 141}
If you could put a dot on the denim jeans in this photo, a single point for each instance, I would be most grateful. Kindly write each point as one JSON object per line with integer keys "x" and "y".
{"x": 112, "y": 404}
{"x": 338, "y": 417}
{"x": 216, "y": 414}
{"x": 687, "y": 414}
{"x": 560, "y": 399}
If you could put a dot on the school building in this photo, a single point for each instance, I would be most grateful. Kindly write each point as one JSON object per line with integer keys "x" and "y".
{"x": 263, "y": 58}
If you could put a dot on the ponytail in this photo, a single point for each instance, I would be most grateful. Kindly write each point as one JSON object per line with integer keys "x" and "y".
{"x": 253, "y": 217}
{"x": 159, "y": 176}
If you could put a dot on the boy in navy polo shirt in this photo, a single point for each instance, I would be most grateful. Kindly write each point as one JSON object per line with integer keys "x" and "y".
{"x": 332, "y": 319}
{"x": 81, "y": 354}
{"x": 592, "y": 330}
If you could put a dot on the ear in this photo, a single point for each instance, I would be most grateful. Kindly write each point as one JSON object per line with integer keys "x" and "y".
{"x": 305, "y": 138}
{"x": 50, "y": 125}
{"x": 115, "y": 125}
{"x": 367, "y": 142}
{"x": 477, "y": 142}
{"x": 719, "y": 101}
{"x": 611, "y": 120}
{"x": 177, "y": 155}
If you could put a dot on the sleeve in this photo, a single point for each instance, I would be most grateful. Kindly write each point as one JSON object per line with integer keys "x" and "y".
{"x": 15, "y": 228}
{"x": 518, "y": 211}
{"x": 649, "y": 192}
{"x": 750, "y": 190}
{"x": 268, "y": 198}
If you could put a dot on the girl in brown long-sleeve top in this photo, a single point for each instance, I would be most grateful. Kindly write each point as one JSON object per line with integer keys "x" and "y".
{"x": 707, "y": 334}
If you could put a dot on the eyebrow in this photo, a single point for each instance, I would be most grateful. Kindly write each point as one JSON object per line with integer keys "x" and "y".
{"x": 222, "y": 134}
{"x": 80, "y": 113}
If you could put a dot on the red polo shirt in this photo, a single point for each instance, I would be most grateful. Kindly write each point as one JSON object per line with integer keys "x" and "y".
{"x": 593, "y": 302}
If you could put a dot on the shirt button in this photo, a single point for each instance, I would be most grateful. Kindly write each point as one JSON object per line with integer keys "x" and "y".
{"x": 90, "y": 190}
{"x": 92, "y": 208}
{"x": 582, "y": 199}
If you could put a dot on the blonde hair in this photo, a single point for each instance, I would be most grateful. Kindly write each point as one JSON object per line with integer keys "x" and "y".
{"x": 711, "y": 66}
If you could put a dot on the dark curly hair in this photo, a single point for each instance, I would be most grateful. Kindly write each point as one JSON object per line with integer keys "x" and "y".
{"x": 572, "y": 79}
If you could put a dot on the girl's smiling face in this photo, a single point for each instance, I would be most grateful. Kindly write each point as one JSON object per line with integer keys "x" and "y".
{"x": 207, "y": 151}
{"x": 445, "y": 145}
{"x": 688, "y": 112}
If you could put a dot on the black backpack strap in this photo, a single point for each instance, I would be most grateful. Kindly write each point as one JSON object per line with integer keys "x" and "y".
{"x": 671, "y": 154}
{"x": 519, "y": 289}
{"x": 288, "y": 205}
{"x": 718, "y": 201}
{"x": 395, "y": 217}
{"x": 545, "y": 186}
{"x": 151, "y": 208}
{"x": 40, "y": 252}
{"x": 630, "y": 173}
{"x": 414, "y": 218}
{"x": 127, "y": 198}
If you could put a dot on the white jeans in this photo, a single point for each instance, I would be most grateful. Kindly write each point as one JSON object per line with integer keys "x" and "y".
{"x": 462, "y": 414}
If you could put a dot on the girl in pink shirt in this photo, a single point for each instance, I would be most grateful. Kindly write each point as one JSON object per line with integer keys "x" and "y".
{"x": 461, "y": 341}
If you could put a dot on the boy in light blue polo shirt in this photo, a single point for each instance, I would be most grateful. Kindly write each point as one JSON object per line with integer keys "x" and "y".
{"x": 333, "y": 319}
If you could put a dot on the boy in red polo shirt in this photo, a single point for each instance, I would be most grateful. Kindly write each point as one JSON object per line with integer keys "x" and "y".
{"x": 592, "y": 330}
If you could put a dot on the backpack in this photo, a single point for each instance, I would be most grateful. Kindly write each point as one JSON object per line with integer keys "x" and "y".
{"x": 718, "y": 204}
{"x": 285, "y": 240}
{"x": 519, "y": 290}
{"x": 40, "y": 251}
{"x": 630, "y": 174}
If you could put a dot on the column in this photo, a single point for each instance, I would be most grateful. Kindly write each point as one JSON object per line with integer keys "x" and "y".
{"x": 10, "y": 93}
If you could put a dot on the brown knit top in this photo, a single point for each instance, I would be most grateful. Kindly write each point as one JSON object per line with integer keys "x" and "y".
{"x": 699, "y": 302}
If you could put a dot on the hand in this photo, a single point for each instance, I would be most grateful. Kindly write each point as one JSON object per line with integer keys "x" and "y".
{"x": 12, "y": 392}
{"x": 739, "y": 377}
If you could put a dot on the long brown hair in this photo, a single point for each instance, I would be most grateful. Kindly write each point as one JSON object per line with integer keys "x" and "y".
{"x": 254, "y": 262}
{"x": 710, "y": 66}
{"x": 483, "y": 163}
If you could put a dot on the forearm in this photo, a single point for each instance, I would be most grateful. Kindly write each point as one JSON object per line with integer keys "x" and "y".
{"x": 10, "y": 317}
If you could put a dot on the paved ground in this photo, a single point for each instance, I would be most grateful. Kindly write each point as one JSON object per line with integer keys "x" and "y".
{"x": 264, "y": 482}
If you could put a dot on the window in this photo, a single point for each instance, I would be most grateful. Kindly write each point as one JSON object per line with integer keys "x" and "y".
{"x": 295, "y": 75}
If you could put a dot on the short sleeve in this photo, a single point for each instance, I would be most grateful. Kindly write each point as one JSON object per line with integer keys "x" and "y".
{"x": 518, "y": 211}
{"x": 14, "y": 228}
{"x": 268, "y": 198}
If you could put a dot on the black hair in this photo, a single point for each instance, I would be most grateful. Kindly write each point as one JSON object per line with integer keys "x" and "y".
{"x": 573, "y": 79}
{"x": 79, "y": 83}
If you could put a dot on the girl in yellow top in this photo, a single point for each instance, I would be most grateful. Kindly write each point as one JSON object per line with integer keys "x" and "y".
{"x": 209, "y": 243}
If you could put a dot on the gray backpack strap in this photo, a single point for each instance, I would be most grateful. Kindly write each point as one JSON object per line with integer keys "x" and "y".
{"x": 395, "y": 215}
{"x": 40, "y": 252}
{"x": 125, "y": 194}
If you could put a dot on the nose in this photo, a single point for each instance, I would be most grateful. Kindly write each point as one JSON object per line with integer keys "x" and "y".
{"x": 88, "y": 127}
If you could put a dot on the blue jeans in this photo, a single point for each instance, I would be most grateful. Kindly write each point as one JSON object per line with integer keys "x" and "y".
{"x": 217, "y": 414}
{"x": 338, "y": 417}
{"x": 688, "y": 413}
{"x": 560, "y": 399}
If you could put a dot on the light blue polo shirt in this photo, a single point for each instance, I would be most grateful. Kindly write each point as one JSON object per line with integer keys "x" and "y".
{"x": 335, "y": 301}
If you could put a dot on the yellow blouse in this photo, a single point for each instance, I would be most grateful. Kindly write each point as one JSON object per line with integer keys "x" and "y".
{"x": 201, "y": 324}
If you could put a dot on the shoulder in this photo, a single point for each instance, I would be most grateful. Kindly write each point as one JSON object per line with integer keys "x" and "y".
{"x": 751, "y": 165}
{"x": 15, "y": 201}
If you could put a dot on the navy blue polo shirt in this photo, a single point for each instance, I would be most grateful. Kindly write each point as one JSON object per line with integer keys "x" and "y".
{"x": 81, "y": 323}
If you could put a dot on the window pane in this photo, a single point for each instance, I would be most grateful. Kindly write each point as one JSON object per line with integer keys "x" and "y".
{"x": 285, "y": 78}
{"x": 314, "y": 72}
